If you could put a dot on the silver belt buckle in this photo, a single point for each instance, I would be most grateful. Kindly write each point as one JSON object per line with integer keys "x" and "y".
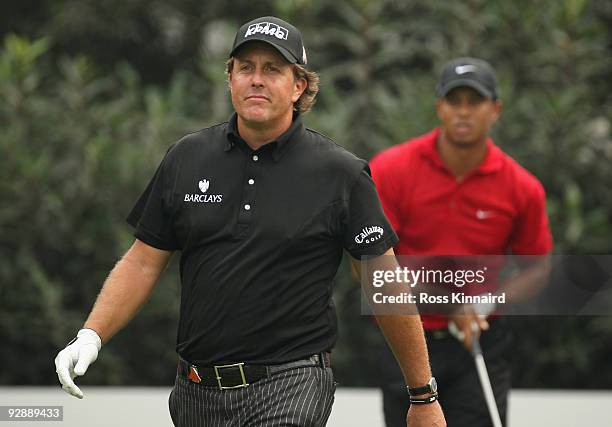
{"x": 240, "y": 367}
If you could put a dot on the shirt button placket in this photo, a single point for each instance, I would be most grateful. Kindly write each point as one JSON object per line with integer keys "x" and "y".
{"x": 247, "y": 205}
{"x": 455, "y": 194}
{"x": 250, "y": 191}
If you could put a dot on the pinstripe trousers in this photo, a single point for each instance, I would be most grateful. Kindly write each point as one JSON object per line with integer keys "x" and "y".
{"x": 296, "y": 397}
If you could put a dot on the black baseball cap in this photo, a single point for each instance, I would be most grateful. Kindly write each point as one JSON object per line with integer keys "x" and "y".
{"x": 279, "y": 34}
{"x": 471, "y": 72}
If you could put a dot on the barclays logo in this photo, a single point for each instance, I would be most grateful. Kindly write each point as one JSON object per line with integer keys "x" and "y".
{"x": 204, "y": 184}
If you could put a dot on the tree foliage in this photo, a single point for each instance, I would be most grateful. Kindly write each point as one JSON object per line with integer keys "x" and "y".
{"x": 94, "y": 92}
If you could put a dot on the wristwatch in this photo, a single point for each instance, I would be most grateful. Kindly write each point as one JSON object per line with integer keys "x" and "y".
{"x": 430, "y": 388}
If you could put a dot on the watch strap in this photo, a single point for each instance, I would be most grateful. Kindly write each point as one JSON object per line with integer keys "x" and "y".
{"x": 426, "y": 389}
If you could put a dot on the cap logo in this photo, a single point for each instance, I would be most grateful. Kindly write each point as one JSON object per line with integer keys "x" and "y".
{"x": 462, "y": 69}
{"x": 304, "y": 59}
{"x": 268, "y": 29}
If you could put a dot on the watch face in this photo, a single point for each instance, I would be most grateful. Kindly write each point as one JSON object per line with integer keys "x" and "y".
{"x": 431, "y": 387}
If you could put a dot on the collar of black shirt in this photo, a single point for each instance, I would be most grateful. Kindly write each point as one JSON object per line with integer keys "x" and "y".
{"x": 279, "y": 144}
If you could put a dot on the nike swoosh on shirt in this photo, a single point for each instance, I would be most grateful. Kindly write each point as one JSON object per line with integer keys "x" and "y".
{"x": 480, "y": 214}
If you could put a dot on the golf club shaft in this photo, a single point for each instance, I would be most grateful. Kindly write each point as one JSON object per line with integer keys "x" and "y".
{"x": 485, "y": 382}
{"x": 487, "y": 390}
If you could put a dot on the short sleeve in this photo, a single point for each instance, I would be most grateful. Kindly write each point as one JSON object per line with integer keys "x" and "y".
{"x": 365, "y": 228}
{"x": 151, "y": 215}
{"x": 387, "y": 192}
{"x": 532, "y": 234}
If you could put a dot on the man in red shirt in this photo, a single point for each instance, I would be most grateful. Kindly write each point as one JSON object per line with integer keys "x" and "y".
{"x": 453, "y": 192}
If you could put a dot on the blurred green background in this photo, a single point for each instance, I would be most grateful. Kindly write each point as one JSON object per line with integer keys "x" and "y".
{"x": 93, "y": 92}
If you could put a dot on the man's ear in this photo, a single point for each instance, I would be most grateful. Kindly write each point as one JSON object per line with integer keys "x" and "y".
{"x": 230, "y": 72}
{"x": 497, "y": 109}
{"x": 438, "y": 107}
{"x": 300, "y": 86}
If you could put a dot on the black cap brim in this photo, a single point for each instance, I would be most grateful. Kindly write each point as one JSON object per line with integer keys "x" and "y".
{"x": 286, "y": 54}
{"x": 481, "y": 89}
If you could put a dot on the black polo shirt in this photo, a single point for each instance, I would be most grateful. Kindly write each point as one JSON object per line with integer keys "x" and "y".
{"x": 261, "y": 235}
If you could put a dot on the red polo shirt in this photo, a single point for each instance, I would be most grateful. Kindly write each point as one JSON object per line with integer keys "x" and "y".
{"x": 496, "y": 208}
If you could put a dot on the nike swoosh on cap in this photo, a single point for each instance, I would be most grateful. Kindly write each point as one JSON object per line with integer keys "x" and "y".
{"x": 462, "y": 69}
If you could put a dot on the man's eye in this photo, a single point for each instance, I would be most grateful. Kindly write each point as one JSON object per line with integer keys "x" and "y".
{"x": 453, "y": 100}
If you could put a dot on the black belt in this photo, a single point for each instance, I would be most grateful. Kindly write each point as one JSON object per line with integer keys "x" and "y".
{"x": 238, "y": 375}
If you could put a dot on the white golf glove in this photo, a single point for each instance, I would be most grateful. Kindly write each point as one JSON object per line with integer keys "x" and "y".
{"x": 75, "y": 359}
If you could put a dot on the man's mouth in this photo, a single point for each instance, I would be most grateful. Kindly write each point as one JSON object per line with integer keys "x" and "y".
{"x": 463, "y": 127}
{"x": 257, "y": 98}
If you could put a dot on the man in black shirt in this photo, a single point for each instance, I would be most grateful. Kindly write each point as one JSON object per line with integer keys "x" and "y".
{"x": 261, "y": 209}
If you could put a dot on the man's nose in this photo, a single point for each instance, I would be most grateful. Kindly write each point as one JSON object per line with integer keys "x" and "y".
{"x": 464, "y": 108}
{"x": 257, "y": 79}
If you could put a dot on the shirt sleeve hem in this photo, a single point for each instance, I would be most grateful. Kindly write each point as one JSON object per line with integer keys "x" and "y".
{"x": 152, "y": 240}
{"x": 535, "y": 251}
{"x": 132, "y": 220}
